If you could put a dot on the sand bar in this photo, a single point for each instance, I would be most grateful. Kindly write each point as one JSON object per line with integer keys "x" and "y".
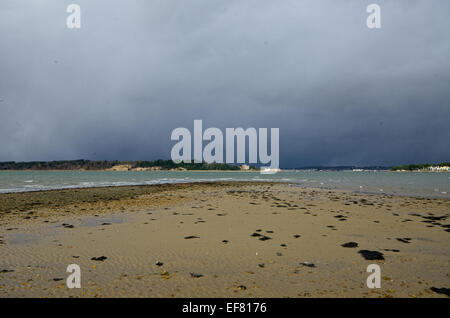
{"x": 221, "y": 239}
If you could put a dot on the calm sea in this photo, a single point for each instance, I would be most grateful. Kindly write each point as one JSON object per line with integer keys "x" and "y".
{"x": 409, "y": 183}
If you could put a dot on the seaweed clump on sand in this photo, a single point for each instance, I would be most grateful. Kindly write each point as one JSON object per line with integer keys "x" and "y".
{"x": 371, "y": 255}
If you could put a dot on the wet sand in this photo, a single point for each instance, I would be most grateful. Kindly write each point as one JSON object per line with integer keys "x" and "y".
{"x": 222, "y": 240}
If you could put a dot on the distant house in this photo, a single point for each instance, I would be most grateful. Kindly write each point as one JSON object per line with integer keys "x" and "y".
{"x": 439, "y": 168}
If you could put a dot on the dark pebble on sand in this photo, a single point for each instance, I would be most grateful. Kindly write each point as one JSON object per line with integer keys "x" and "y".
{"x": 190, "y": 237}
{"x": 435, "y": 218}
{"x": 225, "y": 241}
{"x": 296, "y": 236}
{"x": 261, "y": 265}
{"x": 255, "y": 234}
{"x": 159, "y": 263}
{"x": 307, "y": 264}
{"x": 371, "y": 255}
{"x": 445, "y": 291}
{"x": 68, "y": 226}
{"x": 404, "y": 240}
{"x": 195, "y": 275}
{"x": 391, "y": 250}
{"x": 100, "y": 259}
{"x": 350, "y": 244}
{"x": 265, "y": 238}
{"x": 6, "y": 271}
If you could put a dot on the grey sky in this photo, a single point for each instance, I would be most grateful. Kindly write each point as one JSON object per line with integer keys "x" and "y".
{"x": 115, "y": 89}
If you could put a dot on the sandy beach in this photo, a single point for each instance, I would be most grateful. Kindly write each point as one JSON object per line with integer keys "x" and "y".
{"x": 235, "y": 239}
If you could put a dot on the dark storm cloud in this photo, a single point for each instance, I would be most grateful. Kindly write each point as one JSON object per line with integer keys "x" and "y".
{"x": 115, "y": 89}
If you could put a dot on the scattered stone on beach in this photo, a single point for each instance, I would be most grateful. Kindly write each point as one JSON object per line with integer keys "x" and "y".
{"x": 391, "y": 250}
{"x": 165, "y": 274}
{"x": 261, "y": 265}
{"x": 195, "y": 275}
{"x": 404, "y": 240}
{"x": 371, "y": 255}
{"x": 225, "y": 241}
{"x": 297, "y": 236}
{"x": 6, "y": 271}
{"x": 58, "y": 279}
{"x": 106, "y": 223}
{"x": 350, "y": 244}
{"x": 279, "y": 254}
{"x": 241, "y": 287}
{"x": 190, "y": 237}
{"x": 255, "y": 234}
{"x": 445, "y": 291}
{"x": 307, "y": 264}
{"x": 99, "y": 259}
{"x": 68, "y": 226}
{"x": 159, "y": 263}
{"x": 435, "y": 218}
{"x": 265, "y": 238}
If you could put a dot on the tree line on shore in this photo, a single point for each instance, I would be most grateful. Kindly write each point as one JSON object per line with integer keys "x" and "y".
{"x": 105, "y": 164}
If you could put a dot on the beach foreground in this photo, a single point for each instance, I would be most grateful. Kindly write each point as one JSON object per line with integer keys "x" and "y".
{"x": 236, "y": 239}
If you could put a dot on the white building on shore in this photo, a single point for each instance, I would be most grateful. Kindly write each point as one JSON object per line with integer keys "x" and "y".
{"x": 439, "y": 168}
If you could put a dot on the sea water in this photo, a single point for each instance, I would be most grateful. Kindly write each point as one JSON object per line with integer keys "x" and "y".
{"x": 423, "y": 184}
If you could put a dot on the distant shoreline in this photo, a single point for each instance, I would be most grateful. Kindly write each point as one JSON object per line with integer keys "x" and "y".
{"x": 230, "y": 170}
{"x": 109, "y": 170}
{"x": 115, "y": 165}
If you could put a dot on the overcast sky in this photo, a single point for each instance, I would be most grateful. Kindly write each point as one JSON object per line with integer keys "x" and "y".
{"x": 341, "y": 94}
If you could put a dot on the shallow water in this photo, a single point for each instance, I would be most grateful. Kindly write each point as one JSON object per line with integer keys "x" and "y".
{"x": 426, "y": 184}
